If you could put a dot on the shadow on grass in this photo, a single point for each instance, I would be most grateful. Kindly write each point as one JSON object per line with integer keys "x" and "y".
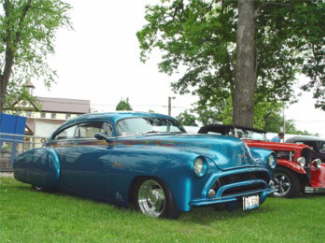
{"x": 200, "y": 215}
{"x": 209, "y": 214}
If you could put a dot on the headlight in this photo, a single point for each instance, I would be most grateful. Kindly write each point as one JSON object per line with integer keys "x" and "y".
{"x": 200, "y": 167}
{"x": 301, "y": 161}
{"x": 271, "y": 161}
{"x": 317, "y": 163}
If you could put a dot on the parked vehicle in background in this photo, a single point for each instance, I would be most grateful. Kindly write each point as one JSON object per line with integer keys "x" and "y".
{"x": 295, "y": 172}
{"x": 316, "y": 143}
{"x": 147, "y": 160}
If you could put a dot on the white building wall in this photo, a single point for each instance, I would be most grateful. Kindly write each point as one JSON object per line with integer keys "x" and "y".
{"x": 44, "y": 128}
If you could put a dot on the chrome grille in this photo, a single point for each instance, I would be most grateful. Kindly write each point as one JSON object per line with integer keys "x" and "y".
{"x": 243, "y": 189}
{"x": 229, "y": 179}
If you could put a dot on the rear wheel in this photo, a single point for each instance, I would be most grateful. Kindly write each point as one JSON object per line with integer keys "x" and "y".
{"x": 152, "y": 198}
{"x": 285, "y": 183}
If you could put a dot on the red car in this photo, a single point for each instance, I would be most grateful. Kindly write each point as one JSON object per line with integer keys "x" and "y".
{"x": 295, "y": 173}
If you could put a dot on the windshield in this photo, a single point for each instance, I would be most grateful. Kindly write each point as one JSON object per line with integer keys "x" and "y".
{"x": 147, "y": 125}
{"x": 249, "y": 134}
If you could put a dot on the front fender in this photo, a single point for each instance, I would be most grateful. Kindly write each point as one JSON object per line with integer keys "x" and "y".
{"x": 172, "y": 166}
{"x": 262, "y": 156}
{"x": 291, "y": 166}
{"x": 260, "y": 153}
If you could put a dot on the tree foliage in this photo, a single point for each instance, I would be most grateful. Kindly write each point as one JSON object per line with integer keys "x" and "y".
{"x": 198, "y": 39}
{"x": 187, "y": 119}
{"x": 124, "y": 105}
{"x": 27, "y": 35}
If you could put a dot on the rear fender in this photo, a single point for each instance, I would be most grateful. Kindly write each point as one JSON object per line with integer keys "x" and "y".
{"x": 39, "y": 167}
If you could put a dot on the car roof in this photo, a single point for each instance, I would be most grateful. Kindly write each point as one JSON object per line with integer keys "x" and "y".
{"x": 304, "y": 138}
{"x": 108, "y": 116}
{"x": 121, "y": 114}
{"x": 225, "y": 128}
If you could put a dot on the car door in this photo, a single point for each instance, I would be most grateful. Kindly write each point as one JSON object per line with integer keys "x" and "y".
{"x": 82, "y": 167}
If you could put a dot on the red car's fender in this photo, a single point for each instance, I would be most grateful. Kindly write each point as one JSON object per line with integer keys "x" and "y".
{"x": 317, "y": 176}
{"x": 292, "y": 166}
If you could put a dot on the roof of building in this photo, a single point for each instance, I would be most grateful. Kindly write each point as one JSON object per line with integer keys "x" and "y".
{"x": 63, "y": 105}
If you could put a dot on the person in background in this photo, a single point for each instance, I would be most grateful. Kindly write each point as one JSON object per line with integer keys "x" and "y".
{"x": 278, "y": 138}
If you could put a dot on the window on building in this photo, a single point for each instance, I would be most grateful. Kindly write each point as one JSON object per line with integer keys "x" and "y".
{"x": 43, "y": 115}
{"x": 53, "y": 115}
{"x": 67, "y": 116}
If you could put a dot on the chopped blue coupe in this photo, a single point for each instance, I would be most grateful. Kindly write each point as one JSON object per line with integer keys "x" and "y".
{"x": 147, "y": 161}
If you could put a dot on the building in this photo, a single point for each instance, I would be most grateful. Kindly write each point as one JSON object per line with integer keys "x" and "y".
{"x": 49, "y": 113}
{"x": 46, "y": 114}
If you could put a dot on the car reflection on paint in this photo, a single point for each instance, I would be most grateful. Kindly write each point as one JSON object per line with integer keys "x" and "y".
{"x": 147, "y": 160}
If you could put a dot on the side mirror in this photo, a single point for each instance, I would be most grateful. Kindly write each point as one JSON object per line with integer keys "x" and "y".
{"x": 101, "y": 136}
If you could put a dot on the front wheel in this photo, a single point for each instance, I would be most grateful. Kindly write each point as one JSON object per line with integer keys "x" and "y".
{"x": 285, "y": 183}
{"x": 152, "y": 198}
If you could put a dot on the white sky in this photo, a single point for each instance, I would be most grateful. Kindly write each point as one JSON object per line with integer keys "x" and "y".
{"x": 99, "y": 61}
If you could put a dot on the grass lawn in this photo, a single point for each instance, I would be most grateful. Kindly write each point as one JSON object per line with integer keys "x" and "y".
{"x": 30, "y": 216}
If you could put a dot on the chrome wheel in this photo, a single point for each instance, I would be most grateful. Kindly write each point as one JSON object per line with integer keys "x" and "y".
{"x": 282, "y": 184}
{"x": 151, "y": 198}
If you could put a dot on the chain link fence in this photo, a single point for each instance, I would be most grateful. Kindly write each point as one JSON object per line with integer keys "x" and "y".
{"x": 12, "y": 144}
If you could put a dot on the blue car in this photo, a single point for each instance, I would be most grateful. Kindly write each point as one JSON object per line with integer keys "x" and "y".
{"x": 147, "y": 161}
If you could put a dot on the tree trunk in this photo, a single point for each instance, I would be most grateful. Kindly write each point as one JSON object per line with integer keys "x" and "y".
{"x": 2, "y": 94}
{"x": 245, "y": 82}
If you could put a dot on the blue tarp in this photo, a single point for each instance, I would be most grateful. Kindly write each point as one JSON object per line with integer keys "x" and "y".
{"x": 12, "y": 124}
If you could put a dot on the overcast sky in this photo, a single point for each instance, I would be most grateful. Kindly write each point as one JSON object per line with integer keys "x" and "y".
{"x": 99, "y": 61}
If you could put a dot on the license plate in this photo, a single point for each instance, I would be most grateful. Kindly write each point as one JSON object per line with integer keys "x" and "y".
{"x": 251, "y": 202}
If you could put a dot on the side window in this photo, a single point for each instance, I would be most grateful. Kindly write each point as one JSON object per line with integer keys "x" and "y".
{"x": 88, "y": 130}
{"x": 311, "y": 144}
{"x": 67, "y": 133}
{"x": 85, "y": 130}
{"x": 322, "y": 147}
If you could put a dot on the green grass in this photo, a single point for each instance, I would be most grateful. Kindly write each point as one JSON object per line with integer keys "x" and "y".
{"x": 31, "y": 216}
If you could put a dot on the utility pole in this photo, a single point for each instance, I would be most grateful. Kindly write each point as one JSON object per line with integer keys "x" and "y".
{"x": 170, "y": 105}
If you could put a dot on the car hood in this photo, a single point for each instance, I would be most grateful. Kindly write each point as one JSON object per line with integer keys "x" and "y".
{"x": 275, "y": 145}
{"x": 226, "y": 152}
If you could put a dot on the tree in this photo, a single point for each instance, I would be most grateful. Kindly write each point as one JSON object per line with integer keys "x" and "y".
{"x": 27, "y": 34}
{"x": 187, "y": 119}
{"x": 199, "y": 38}
{"x": 245, "y": 77}
{"x": 124, "y": 105}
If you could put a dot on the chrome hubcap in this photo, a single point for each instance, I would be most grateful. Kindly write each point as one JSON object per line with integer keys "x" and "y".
{"x": 281, "y": 184}
{"x": 151, "y": 198}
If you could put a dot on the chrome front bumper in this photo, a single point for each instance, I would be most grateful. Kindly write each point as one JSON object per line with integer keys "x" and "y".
{"x": 309, "y": 189}
{"x": 232, "y": 198}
